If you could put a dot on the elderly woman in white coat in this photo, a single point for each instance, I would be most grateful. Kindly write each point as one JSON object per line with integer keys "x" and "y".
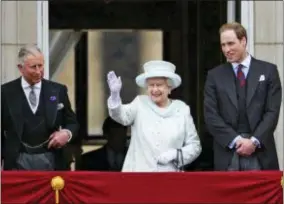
{"x": 160, "y": 127}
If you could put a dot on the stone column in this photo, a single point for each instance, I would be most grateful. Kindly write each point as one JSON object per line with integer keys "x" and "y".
{"x": 96, "y": 83}
{"x": 151, "y": 48}
{"x": 18, "y": 27}
{"x": 268, "y": 46}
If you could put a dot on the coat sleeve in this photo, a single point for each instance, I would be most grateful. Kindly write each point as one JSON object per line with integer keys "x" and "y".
{"x": 270, "y": 117}
{"x": 123, "y": 114}
{"x": 222, "y": 133}
{"x": 191, "y": 147}
{"x": 70, "y": 120}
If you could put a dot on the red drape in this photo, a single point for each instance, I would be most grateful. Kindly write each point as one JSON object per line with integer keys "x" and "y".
{"x": 190, "y": 187}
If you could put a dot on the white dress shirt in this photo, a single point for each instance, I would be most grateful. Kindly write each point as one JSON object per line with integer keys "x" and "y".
{"x": 246, "y": 66}
{"x": 27, "y": 89}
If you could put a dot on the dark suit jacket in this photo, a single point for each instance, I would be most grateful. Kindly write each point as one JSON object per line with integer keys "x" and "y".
{"x": 12, "y": 119}
{"x": 263, "y": 104}
{"x": 96, "y": 160}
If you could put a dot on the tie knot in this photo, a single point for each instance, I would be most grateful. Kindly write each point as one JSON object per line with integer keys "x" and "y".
{"x": 32, "y": 87}
{"x": 240, "y": 67}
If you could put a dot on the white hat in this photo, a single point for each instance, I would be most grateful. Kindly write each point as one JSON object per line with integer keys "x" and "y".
{"x": 158, "y": 68}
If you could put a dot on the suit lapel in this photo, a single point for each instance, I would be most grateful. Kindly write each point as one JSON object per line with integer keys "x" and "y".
{"x": 228, "y": 81}
{"x": 14, "y": 100}
{"x": 252, "y": 80}
{"x": 50, "y": 96}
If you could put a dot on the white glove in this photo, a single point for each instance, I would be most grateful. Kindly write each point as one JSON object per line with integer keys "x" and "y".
{"x": 114, "y": 84}
{"x": 167, "y": 156}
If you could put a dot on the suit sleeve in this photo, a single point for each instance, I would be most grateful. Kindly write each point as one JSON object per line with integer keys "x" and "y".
{"x": 69, "y": 119}
{"x": 222, "y": 133}
{"x": 270, "y": 118}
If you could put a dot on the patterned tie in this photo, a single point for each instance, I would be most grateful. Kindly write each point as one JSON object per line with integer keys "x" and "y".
{"x": 241, "y": 76}
{"x": 32, "y": 97}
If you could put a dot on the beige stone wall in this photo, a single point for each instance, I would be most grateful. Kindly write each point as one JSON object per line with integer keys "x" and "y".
{"x": 18, "y": 27}
{"x": 268, "y": 45}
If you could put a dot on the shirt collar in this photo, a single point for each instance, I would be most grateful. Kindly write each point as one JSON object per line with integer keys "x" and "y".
{"x": 25, "y": 84}
{"x": 245, "y": 62}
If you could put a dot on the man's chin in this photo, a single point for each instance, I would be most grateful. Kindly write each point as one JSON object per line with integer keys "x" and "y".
{"x": 231, "y": 60}
{"x": 37, "y": 81}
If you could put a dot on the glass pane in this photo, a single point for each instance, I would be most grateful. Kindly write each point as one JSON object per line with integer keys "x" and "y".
{"x": 65, "y": 74}
{"x": 123, "y": 51}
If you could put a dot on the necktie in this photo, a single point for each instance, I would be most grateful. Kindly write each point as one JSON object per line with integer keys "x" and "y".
{"x": 32, "y": 97}
{"x": 241, "y": 76}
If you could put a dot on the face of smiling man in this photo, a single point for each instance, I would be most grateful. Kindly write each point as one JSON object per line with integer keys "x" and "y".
{"x": 234, "y": 49}
{"x": 32, "y": 69}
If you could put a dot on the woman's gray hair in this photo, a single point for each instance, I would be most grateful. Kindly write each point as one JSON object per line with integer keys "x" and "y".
{"x": 27, "y": 50}
{"x": 170, "y": 83}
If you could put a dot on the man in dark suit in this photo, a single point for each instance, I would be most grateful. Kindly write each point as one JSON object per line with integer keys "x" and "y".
{"x": 36, "y": 118}
{"x": 111, "y": 156}
{"x": 241, "y": 106}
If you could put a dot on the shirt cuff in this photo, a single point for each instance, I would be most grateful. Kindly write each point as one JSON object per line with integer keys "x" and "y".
{"x": 255, "y": 141}
{"x": 69, "y": 134}
{"x": 233, "y": 143}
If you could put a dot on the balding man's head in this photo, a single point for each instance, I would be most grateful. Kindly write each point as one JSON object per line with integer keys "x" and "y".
{"x": 27, "y": 50}
{"x": 31, "y": 63}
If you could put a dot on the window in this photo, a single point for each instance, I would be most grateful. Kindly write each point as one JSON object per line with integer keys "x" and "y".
{"x": 123, "y": 51}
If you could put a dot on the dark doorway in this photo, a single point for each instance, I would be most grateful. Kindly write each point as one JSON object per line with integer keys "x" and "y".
{"x": 190, "y": 41}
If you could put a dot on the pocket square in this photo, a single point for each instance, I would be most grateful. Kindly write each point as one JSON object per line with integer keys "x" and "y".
{"x": 262, "y": 78}
{"x": 60, "y": 106}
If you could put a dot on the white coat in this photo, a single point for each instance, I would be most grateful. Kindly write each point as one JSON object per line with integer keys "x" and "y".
{"x": 154, "y": 131}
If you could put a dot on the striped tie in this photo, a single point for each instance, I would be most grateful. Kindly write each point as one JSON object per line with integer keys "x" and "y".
{"x": 241, "y": 76}
{"x": 32, "y": 97}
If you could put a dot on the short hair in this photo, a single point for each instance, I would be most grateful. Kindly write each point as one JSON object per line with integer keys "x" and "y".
{"x": 236, "y": 27}
{"x": 170, "y": 83}
{"x": 29, "y": 49}
{"x": 110, "y": 123}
